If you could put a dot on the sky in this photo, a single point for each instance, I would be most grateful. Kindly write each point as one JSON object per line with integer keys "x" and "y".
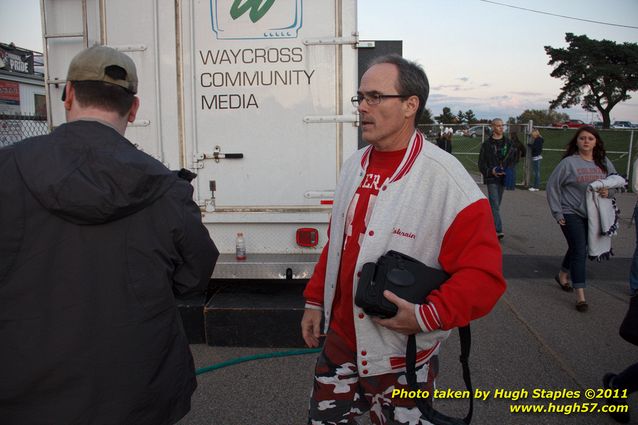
{"x": 477, "y": 54}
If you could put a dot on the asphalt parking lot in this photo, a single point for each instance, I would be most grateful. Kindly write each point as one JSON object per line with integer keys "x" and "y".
{"x": 534, "y": 342}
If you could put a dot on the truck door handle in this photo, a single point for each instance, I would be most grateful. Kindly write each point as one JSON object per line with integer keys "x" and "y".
{"x": 217, "y": 156}
{"x": 228, "y": 155}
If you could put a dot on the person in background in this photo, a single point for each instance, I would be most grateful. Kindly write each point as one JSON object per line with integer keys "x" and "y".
{"x": 584, "y": 162}
{"x": 497, "y": 153}
{"x": 96, "y": 240}
{"x": 445, "y": 140}
{"x": 399, "y": 193}
{"x": 536, "y": 149}
{"x": 510, "y": 172}
{"x": 627, "y": 380}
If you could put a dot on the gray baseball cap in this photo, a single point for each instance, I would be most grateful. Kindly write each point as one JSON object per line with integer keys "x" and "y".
{"x": 93, "y": 64}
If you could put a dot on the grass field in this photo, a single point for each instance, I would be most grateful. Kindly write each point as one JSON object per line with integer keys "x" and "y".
{"x": 617, "y": 145}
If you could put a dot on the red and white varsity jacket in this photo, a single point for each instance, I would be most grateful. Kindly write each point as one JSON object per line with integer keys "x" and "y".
{"x": 430, "y": 209}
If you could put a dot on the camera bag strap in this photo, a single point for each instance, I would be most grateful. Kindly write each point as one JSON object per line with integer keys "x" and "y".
{"x": 428, "y": 412}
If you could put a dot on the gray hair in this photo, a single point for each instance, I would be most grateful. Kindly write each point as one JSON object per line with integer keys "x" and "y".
{"x": 412, "y": 80}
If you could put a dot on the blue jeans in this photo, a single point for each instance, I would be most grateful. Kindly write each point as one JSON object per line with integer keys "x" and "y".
{"x": 495, "y": 196}
{"x": 536, "y": 168}
{"x": 633, "y": 274}
{"x": 575, "y": 231}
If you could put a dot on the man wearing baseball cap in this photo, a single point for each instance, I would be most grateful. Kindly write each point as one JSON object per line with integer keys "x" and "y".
{"x": 96, "y": 239}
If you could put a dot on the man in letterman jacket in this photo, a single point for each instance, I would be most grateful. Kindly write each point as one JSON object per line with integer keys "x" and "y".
{"x": 400, "y": 193}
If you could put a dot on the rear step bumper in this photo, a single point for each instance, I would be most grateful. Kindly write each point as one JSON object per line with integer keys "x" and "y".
{"x": 266, "y": 266}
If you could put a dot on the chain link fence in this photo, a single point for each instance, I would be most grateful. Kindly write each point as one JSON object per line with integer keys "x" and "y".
{"x": 620, "y": 145}
{"x": 467, "y": 141}
{"x": 14, "y": 128}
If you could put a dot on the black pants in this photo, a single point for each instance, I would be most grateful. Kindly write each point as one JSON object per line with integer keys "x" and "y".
{"x": 627, "y": 379}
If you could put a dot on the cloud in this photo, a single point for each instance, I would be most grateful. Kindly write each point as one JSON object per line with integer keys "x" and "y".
{"x": 503, "y": 106}
{"x": 464, "y": 79}
{"x": 527, "y": 93}
{"x": 452, "y": 87}
{"x": 513, "y": 104}
{"x": 446, "y": 86}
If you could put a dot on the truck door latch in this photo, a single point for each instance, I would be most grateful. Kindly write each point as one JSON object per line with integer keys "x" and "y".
{"x": 216, "y": 155}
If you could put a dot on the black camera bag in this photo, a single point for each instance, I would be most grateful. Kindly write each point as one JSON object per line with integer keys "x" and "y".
{"x": 411, "y": 280}
{"x": 406, "y": 277}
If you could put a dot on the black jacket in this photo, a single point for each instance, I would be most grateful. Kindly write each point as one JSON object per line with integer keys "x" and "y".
{"x": 445, "y": 144}
{"x": 496, "y": 153}
{"x": 96, "y": 237}
{"x": 536, "y": 146}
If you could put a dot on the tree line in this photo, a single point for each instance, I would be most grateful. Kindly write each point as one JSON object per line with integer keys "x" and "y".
{"x": 447, "y": 117}
{"x": 538, "y": 116}
{"x": 597, "y": 74}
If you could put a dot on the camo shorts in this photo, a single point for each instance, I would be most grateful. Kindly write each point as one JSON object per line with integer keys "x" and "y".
{"x": 340, "y": 395}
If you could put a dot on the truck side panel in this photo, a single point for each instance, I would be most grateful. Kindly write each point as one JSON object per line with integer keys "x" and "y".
{"x": 270, "y": 81}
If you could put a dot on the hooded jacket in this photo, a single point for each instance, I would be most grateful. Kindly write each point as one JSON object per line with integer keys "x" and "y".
{"x": 496, "y": 153}
{"x": 96, "y": 239}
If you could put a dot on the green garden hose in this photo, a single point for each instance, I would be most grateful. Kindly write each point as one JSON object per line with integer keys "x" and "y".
{"x": 238, "y": 360}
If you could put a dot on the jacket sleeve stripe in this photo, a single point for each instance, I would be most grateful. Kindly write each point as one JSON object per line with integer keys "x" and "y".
{"x": 313, "y": 305}
{"x": 428, "y": 318}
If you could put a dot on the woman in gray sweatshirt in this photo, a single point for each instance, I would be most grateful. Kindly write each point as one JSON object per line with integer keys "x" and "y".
{"x": 584, "y": 162}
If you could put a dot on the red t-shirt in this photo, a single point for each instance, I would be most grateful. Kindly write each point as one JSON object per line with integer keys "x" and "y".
{"x": 476, "y": 281}
{"x": 381, "y": 167}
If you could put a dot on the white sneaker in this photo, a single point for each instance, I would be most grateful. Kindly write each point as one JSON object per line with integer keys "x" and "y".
{"x": 533, "y": 189}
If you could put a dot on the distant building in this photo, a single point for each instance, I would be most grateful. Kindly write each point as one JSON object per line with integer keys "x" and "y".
{"x": 22, "y": 94}
{"x": 21, "y": 85}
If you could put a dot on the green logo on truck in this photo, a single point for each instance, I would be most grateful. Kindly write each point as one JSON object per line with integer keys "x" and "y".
{"x": 257, "y": 10}
{"x": 256, "y": 19}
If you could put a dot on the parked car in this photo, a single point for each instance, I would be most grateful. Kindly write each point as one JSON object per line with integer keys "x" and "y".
{"x": 569, "y": 124}
{"x": 597, "y": 124}
{"x": 476, "y": 131}
{"x": 622, "y": 124}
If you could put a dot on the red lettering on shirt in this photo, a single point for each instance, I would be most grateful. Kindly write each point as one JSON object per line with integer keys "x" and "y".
{"x": 589, "y": 174}
{"x": 381, "y": 167}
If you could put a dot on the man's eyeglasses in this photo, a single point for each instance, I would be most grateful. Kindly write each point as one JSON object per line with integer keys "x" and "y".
{"x": 373, "y": 99}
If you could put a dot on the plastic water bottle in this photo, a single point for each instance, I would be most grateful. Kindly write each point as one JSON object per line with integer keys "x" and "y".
{"x": 240, "y": 247}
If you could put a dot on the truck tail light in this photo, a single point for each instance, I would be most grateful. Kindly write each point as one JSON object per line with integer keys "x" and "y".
{"x": 307, "y": 237}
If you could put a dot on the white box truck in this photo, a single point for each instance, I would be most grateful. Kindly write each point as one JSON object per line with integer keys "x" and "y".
{"x": 252, "y": 95}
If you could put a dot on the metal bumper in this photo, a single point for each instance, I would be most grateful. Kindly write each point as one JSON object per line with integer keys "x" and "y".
{"x": 266, "y": 266}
